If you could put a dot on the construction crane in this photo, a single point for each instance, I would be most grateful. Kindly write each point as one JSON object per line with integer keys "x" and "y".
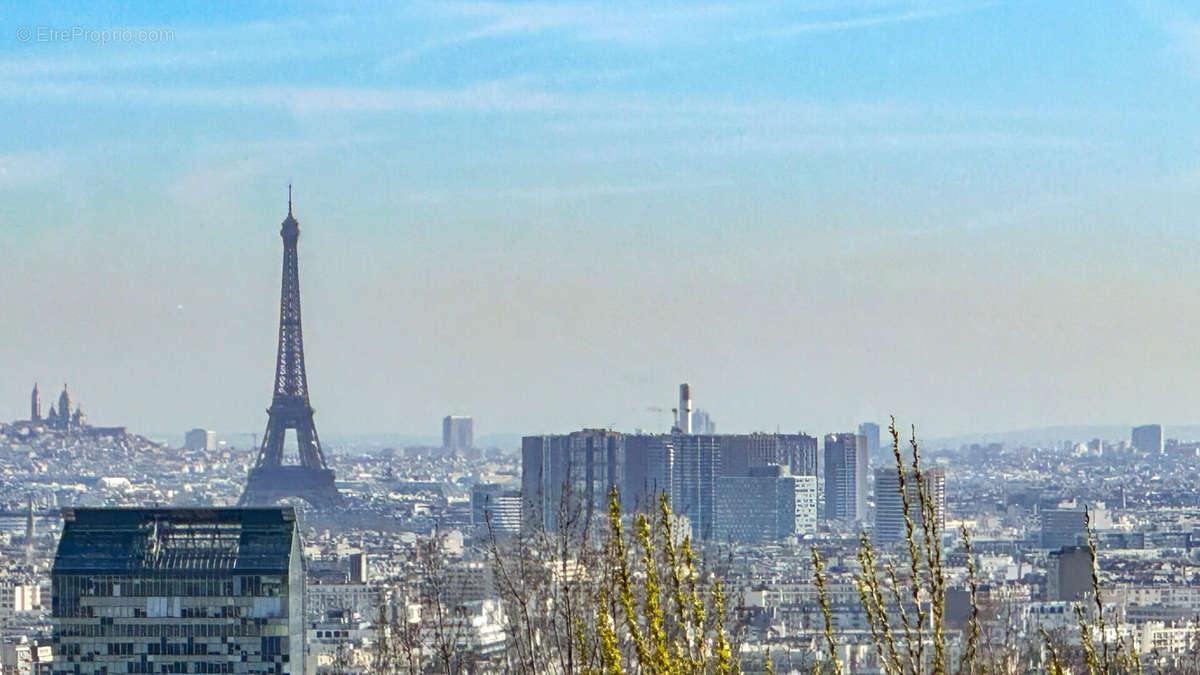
{"x": 656, "y": 409}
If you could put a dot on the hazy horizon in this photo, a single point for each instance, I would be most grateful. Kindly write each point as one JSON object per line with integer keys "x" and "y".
{"x": 975, "y": 216}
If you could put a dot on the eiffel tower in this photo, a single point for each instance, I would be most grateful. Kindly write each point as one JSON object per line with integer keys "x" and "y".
{"x": 271, "y": 480}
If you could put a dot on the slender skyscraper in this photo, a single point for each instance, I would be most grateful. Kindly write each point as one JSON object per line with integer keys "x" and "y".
{"x": 697, "y": 463}
{"x": 702, "y": 423}
{"x": 871, "y": 431}
{"x": 845, "y": 477}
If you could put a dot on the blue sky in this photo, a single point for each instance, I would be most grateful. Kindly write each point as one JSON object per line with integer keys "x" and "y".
{"x": 976, "y": 215}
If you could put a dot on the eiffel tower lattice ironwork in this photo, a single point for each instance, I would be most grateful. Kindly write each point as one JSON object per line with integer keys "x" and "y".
{"x": 271, "y": 480}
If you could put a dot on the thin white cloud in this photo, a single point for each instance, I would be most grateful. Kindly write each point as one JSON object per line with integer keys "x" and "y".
{"x": 1185, "y": 42}
{"x": 655, "y": 25}
{"x": 302, "y": 100}
{"x": 607, "y": 21}
{"x": 147, "y": 59}
{"x": 875, "y": 142}
{"x": 505, "y": 96}
{"x": 29, "y": 169}
{"x": 870, "y": 21}
{"x": 1180, "y": 24}
{"x": 448, "y": 25}
{"x": 624, "y": 126}
{"x": 557, "y": 193}
{"x": 594, "y": 22}
{"x": 209, "y": 188}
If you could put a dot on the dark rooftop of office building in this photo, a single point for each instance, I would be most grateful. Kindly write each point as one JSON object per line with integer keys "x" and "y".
{"x": 176, "y": 540}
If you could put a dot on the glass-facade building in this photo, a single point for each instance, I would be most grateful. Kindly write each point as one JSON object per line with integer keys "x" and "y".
{"x": 178, "y": 591}
{"x": 766, "y": 505}
{"x": 565, "y": 479}
{"x": 571, "y": 475}
{"x": 890, "y": 526}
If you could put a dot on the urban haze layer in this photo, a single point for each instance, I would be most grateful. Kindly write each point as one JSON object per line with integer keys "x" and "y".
{"x": 126, "y": 554}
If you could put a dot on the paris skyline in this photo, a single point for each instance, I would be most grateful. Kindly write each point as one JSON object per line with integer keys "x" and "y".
{"x": 548, "y": 219}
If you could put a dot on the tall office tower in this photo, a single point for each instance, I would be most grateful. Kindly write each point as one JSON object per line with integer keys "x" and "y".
{"x": 1069, "y": 574}
{"x": 200, "y": 439}
{"x": 565, "y": 480}
{"x": 871, "y": 431}
{"x": 178, "y": 591}
{"x": 458, "y": 433}
{"x": 845, "y": 477}
{"x": 543, "y": 475}
{"x": 495, "y": 510}
{"x": 889, "y": 507}
{"x": 768, "y": 504}
{"x": 694, "y": 481}
{"x": 1148, "y": 439}
{"x": 648, "y": 470}
{"x": 703, "y": 424}
{"x": 35, "y": 404}
{"x": 360, "y": 571}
